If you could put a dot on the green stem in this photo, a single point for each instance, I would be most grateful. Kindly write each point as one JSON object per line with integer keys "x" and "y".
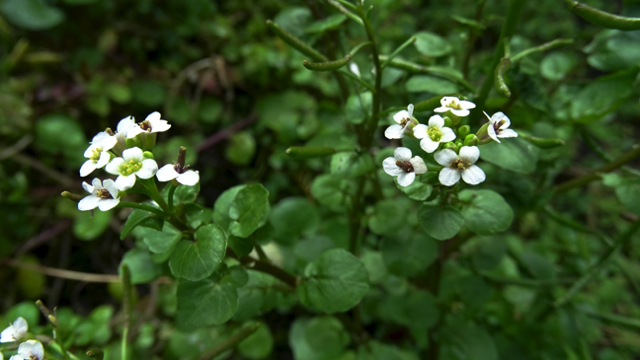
{"x": 355, "y": 78}
{"x": 375, "y": 106}
{"x": 604, "y": 259}
{"x": 145, "y": 207}
{"x": 630, "y": 279}
{"x": 431, "y": 70}
{"x": 126, "y": 308}
{"x": 618, "y": 162}
{"x": 172, "y": 190}
{"x": 630, "y": 323}
{"x": 231, "y": 341}
{"x": 508, "y": 29}
{"x": 544, "y": 47}
{"x": 397, "y": 51}
{"x": 525, "y": 282}
{"x": 566, "y": 221}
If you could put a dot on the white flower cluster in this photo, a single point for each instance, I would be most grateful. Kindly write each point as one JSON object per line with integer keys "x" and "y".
{"x": 132, "y": 163}
{"x": 456, "y": 165}
{"x": 28, "y": 350}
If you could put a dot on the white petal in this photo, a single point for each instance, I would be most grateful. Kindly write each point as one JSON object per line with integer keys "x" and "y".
{"x": 134, "y": 131}
{"x": 134, "y": 153}
{"x": 400, "y": 115}
{"x": 405, "y": 179}
{"x": 447, "y": 99}
{"x": 108, "y": 204}
{"x": 97, "y": 184}
{"x": 88, "y": 188}
{"x": 111, "y": 187}
{"x": 448, "y": 176}
{"x": 470, "y": 154}
{"x": 7, "y": 335}
{"x": 91, "y": 149}
{"x": 497, "y": 117}
{"x": 88, "y": 203}
{"x": 460, "y": 113}
{"x": 125, "y": 124}
{"x": 30, "y": 349}
{"x": 441, "y": 109}
{"x": 418, "y": 165}
{"x": 100, "y": 137}
{"x": 402, "y": 153}
{"x": 125, "y": 182}
{"x": 114, "y": 166}
{"x": 354, "y": 69}
{"x": 467, "y": 104}
{"x": 153, "y": 116}
{"x": 488, "y": 117}
{"x": 159, "y": 125}
{"x": 507, "y": 133}
{"x": 148, "y": 169}
{"x": 436, "y": 121}
{"x": 389, "y": 166}
{"x": 447, "y": 135}
{"x": 20, "y": 326}
{"x": 167, "y": 173}
{"x": 410, "y": 110}
{"x": 420, "y": 131}
{"x": 429, "y": 145}
{"x": 87, "y": 168}
{"x": 108, "y": 143}
{"x": 473, "y": 175}
{"x": 492, "y": 132}
{"x": 189, "y": 178}
{"x": 104, "y": 160}
{"x": 394, "y": 131}
{"x": 445, "y": 157}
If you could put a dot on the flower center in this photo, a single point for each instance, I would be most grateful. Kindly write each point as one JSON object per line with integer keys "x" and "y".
{"x": 497, "y": 126}
{"x": 104, "y": 194}
{"x": 146, "y": 126}
{"x": 460, "y": 164}
{"x": 131, "y": 167}
{"x": 404, "y": 122}
{"x": 454, "y": 105}
{"x": 434, "y": 134}
{"x": 406, "y": 166}
{"x": 95, "y": 154}
{"x": 179, "y": 169}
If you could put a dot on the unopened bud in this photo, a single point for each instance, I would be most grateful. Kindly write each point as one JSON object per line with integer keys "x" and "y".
{"x": 95, "y": 354}
{"x": 71, "y": 196}
{"x": 471, "y": 140}
{"x": 447, "y": 121}
{"x": 109, "y": 131}
{"x": 53, "y": 320}
{"x": 148, "y": 155}
{"x": 133, "y": 142}
{"x": 450, "y": 146}
{"x": 483, "y": 135}
{"x": 463, "y": 131}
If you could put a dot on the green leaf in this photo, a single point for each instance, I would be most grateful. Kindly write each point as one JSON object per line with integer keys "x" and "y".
{"x": 247, "y": 210}
{"x": 206, "y": 302}
{"x": 143, "y": 269}
{"x": 430, "y": 84}
{"x": 51, "y": 128}
{"x": 332, "y": 191}
{"x": 335, "y": 281}
{"x": 184, "y": 194}
{"x": 241, "y": 247}
{"x": 223, "y": 204}
{"x": 485, "y": 211}
{"x": 241, "y": 148}
{"x": 417, "y": 190}
{"x": 514, "y": 154}
{"x": 468, "y": 343}
{"x": 256, "y": 296}
{"x": 357, "y": 107}
{"x": 139, "y": 217}
{"x": 417, "y": 309}
{"x": 351, "y": 164}
{"x": 329, "y": 23}
{"x": 197, "y": 260}
{"x": 485, "y": 252}
{"x": 538, "y": 265}
{"x": 388, "y": 217}
{"x": 628, "y": 192}
{"x": 441, "y": 223}
{"x": 160, "y": 242}
{"x": 557, "y": 65}
{"x": 292, "y": 217}
{"x": 602, "y": 96}
{"x": 409, "y": 253}
{"x": 318, "y": 338}
{"x": 258, "y": 345}
{"x": 88, "y": 227}
{"x": 31, "y": 14}
{"x": 431, "y": 44}
{"x": 148, "y": 93}
{"x": 375, "y": 350}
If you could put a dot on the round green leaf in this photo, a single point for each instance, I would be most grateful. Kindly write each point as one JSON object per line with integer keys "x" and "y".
{"x": 515, "y": 154}
{"x": 318, "y": 338}
{"x": 441, "y": 223}
{"x": 485, "y": 211}
{"x": 431, "y": 44}
{"x": 335, "y": 281}
{"x": 241, "y": 148}
{"x": 88, "y": 226}
{"x": 430, "y": 84}
{"x": 293, "y": 217}
{"x": 205, "y": 302}
{"x": 160, "y": 242}
{"x": 331, "y": 191}
{"x": 556, "y": 65}
{"x": 408, "y": 253}
{"x": 143, "y": 269}
{"x": 31, "y": 14}
{"x": 247, "y": 209}
{"x": 417, "y": 190}
{"x": 388, "y": 217}
{"x": 223, "y": 204}
{"x": 197, "y": 260}
{"x": 258, "y": 345}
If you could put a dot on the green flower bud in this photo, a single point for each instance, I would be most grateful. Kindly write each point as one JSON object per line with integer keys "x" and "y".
{"x": 450, "y": 146}
{"x": 307, "y": 152}
{"x": 463, "y": 131}
{"x": 148, "y": 155}
{"x": 471, "y": 140}
{"x": 483, "y": 135}
{"x": 543, "y": 143}
{"x": 447, "y": 121}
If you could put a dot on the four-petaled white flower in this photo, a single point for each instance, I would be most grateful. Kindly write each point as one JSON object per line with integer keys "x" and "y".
{"x": 404, "y": 166}
{"x": 498, "y": 124}
{"x": 15, "y": 331}
{"x": 98, "y": 154}
{"x": 456, "y": 106}
{"x": 131, "y": 164}
{"x": 434, "y": 134}
{"x": 403, "y": 119}
{"x": 151, "y": 124}
{"x": 31, "y": 350}
{"x": 102, "y": 197}
{"x": 459, "y": 165}
{"x": 182, "y": 175}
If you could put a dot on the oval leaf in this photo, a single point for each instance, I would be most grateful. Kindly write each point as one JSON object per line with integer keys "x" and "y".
{"x": 197, "y": 260}
{"x": 440, "y": 223}
{"x": 486, "y": 211}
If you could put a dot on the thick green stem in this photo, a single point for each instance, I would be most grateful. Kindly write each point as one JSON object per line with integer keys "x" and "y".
{"x": 375, "y": 106}
{"x": 172, "y": 190}
{"x": 126, "y": 309}
{"x": 616, "y": 163}
{"x": 508, "y": 29}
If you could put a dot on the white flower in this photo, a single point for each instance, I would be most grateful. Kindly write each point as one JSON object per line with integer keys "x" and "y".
{"x": 434, "y": 134}
{"x": 131, "y": 164}
{"x": 151, "y": 124}
{"x": 460, "y": 165}
{"x": 123, "y": 128}
{"x": 456, "y": 106}
{"x": 98, "y": 155}
{"x": 102, "y": 197}
{"x": 353, "y": 67}
{"x": 498, "y": 124}
{"x": 404, "y": 166}
{"x": 182, "y": 175}
{"x": 108, "y": 141}
{"x": 15, "y": 331}
{"x": 403, "y": 118}
{"x": 31, "y": 350}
